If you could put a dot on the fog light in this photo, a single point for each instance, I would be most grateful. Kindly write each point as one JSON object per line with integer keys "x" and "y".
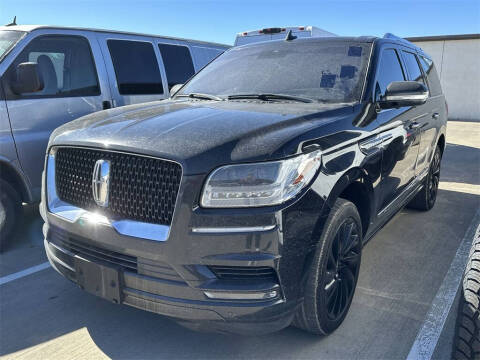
{"x": 223, "y": 295}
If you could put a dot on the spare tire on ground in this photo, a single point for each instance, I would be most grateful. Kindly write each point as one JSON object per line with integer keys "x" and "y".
{"x": 467, "y": 334}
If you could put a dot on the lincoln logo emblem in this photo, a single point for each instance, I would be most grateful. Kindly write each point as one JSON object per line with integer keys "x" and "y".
{"x": 101, "y": 182}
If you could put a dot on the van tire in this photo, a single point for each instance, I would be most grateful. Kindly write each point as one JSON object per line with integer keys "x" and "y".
{"x": 10, "y": 212}
{"x": 313, "y": 314}
{"x": 426, "y": 197}
{"x": 467, "y": 333}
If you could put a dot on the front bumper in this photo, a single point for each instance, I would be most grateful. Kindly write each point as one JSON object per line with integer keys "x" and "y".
{"x": 155, "y": 286}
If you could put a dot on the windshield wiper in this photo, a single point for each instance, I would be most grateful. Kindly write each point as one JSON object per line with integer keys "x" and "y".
{"x": 201, "y": 96}
{"x": 267, "y": 97}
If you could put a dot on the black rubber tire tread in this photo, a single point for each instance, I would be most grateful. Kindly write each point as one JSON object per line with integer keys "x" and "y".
{"x": 467, "y": 333}
{"x": 11, "y": 208}
{"x": 307, "y": 317}
{"x": 421, "y": 199}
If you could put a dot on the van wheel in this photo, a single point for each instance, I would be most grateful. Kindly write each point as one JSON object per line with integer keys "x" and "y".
{"x": 333, "y": 273}
{"x": 467, "y": 333}
{"x": 10, "y": 212}
{"x": 425, "y": 199}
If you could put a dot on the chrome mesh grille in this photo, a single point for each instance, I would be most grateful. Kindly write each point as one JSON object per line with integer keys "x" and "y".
{"x": 141, "y": 188}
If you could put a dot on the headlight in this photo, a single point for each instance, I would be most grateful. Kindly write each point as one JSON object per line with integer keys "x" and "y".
{"x": 259, "y": 184}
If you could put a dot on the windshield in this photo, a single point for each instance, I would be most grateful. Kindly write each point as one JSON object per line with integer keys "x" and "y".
{"x": 8, "y": 38}
{"x": 326, "y": 71}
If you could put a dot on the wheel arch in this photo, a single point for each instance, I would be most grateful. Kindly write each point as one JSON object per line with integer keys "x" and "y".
{"x": 11, "y": 174}
{"x": 355, "y": 186}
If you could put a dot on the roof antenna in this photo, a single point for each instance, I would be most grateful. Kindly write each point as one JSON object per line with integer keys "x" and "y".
{"x": 290, "y": 36}
{"x": 14, "y": 22}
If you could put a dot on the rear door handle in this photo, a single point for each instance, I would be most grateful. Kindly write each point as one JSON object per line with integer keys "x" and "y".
{"x": 106, "y": 104}
{"x": 435, "y": 115}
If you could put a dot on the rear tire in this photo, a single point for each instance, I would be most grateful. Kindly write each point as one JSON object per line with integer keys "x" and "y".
{"x": 333, "y": 273}
{"x": 425, "y": 198}
{"x": 10, "y": 212}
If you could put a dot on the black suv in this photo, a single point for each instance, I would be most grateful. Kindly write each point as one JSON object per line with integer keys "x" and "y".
{"x": 242, "y": 203}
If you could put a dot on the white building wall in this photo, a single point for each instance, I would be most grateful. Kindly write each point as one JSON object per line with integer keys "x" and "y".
{"x": 458, "y": 65}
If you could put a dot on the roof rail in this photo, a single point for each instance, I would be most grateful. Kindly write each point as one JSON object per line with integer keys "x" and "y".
{"x": 398, "y": 38}
{"x": 392, "y": 36}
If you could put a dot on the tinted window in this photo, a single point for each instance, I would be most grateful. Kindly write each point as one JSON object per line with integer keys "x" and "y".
{"x": 7, "y": 40}
{"x": 203, "y": 55}
{"x": 136, "y": 67}
{"x": 414, "y": 72}
{"x": 178, "y": 63}
{"x": 65, "y": 64}
{"x": 389, "y": 70}
{"x": 432, "y": 76}
{"x": 327, "y": 71}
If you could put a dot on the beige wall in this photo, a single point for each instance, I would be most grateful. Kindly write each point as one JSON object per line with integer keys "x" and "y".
{"x": 458, "y": 65}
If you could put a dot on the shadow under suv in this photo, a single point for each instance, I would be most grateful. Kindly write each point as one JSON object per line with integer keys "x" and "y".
{"x": 242, "y": 203}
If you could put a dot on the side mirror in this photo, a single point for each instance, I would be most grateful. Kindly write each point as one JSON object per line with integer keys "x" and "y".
{"x": 404, "y": 93}
{"x": 175, "y": 89}
{"x": 28, "y": 79}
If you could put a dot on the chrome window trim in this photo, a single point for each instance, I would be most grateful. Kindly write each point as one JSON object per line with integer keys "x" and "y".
{"x": 73, "y": 214}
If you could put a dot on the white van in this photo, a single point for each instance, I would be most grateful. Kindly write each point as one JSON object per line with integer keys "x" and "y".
{"x": 278, "y": 33}
{"x": 51, "y": 75}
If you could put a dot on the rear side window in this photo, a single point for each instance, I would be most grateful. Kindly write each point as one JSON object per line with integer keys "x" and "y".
{"x": 65, "y": 64}
{"x": 136, "y": 67}
{"x": 389, "y": 70}
{"x": 178, "y": 63}
{"x": 414, "y": 72}
{"x": 432, "y": 76}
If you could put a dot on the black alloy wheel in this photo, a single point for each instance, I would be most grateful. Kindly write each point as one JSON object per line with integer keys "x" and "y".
{"x": 434, "y": 178}
{"x": 343, "y": 265}
{"x": 425, "y": 199}
{"x": 332, "y": 273}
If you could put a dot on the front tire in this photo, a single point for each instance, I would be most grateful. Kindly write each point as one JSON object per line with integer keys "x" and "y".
{"x": 333, "y": 273}
{"x": 425, "y": 198}
{"x": 10, "y": 212}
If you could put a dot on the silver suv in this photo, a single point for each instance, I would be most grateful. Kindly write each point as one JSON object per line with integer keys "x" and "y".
{"x": 51, "y": 75}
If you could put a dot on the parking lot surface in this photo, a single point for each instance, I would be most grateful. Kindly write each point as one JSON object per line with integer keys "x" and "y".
{"x": 42, "y": 315}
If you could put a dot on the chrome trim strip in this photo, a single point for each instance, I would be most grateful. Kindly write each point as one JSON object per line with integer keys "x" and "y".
{"x": 227, "y": 295}
{"x": 422, "y": 97}
{"x": 369, "y": 144}
{"x": 217, "y": 230}
{"x": 56, "y": 259}
{"x": 73, "y": 214}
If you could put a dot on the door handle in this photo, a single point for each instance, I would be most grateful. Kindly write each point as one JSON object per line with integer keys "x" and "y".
{"x": 106, "y": 105}
{"x": 414, "y": 125}
{"x": 435, "y": 115}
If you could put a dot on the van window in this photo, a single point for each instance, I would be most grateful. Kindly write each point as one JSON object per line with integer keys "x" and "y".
{"x": 414, "y": 72}
{"x": 389, "y": 70}
{"x": 65, "y": 64}
{"x": 8, "y": 39}
{"x": 178, "y": 63}
{"x": 432, "y": 76}
{"x": 203, "y": 55}
{"x": 136, "y": 67}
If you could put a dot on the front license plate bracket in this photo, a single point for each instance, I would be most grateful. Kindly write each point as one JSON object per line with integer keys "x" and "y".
{"x": 98, "y": 279}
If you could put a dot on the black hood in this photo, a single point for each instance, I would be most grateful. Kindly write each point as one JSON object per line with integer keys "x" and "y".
{"x": 200, "y": 134}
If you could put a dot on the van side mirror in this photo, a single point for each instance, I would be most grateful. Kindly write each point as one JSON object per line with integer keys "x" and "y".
{"x": 175, "y": 89}
{"x": 28, "y": 79}
{"x": 404, "y": 93}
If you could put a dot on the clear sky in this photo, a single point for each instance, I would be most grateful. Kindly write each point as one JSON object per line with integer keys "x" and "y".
{"x": 219, "y": 21}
